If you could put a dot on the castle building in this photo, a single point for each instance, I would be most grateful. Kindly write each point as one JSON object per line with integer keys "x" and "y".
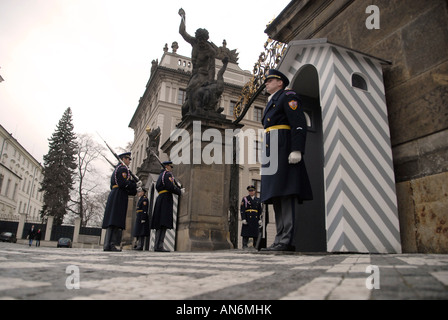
{"x": 20, "y": 178}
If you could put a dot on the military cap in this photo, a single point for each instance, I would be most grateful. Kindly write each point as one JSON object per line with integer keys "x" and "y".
{"x": 250, "y": 188}
{"x": 125, "y": 154}
{"x": 142, "y": 189}
{"x": 275, "y": 74}
{"x": 165, "y": 163}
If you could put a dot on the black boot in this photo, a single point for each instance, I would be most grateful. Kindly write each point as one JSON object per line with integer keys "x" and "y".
{"x": 139, "y": 243}
{"x": 160, "y": 238}
{"x": 107, "y": 238}
{"x": 116, "y": 239}
{"x": 112, "y": 237}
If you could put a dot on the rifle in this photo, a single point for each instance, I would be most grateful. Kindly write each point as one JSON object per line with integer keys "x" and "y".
{"x": 261, "y": 227}
{"x": 136, "y": 179}
{"x": 157, "y": 158}
{"x": 108, "y": 160}
{"x": 176, "y": 182}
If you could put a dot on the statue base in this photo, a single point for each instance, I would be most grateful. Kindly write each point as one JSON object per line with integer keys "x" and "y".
{"x": 203, "y": 222}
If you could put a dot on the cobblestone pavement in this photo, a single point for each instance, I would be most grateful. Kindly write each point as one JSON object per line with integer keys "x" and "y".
{"x": 51, "y": 273}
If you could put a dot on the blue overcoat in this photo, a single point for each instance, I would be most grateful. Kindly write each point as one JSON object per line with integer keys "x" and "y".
{"x": 285, "y": 131}
{"x": 117, "y": 203}
{"x": 250, "y": 210}
{"x": 141, "y": 226}
{"x": 163, "y": 209}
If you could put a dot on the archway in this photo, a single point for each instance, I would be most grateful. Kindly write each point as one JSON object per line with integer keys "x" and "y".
{"x": 310, "y": 232}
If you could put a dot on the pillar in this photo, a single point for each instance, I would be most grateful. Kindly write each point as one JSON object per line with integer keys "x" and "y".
{"x": 50, "y": 220}
{"x": 203, "y": 209}
{"x": 21, "y": 225}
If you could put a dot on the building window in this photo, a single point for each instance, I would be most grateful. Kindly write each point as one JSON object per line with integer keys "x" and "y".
{"x": 359, "y": 82}
{"x": 181, "y": 96}
{"x": 232, "y": 107}
{"x": 258, "y": 114}
{"x": 257, "y": 150}
{"x": 8, "y": 183}
{"x": 14, "y": 193}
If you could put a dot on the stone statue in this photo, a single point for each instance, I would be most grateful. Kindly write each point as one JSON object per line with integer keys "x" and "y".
{"x": 153, "y": 141}
{"x": 223, "y": 52}
{"x": 151, "y": 164}
{"x": 154, "y": 64}
{"x": 203, "y": 91}
{"x": 208, "y": 96}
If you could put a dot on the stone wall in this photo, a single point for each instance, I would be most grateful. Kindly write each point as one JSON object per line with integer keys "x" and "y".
{"x": 424, "y": 227}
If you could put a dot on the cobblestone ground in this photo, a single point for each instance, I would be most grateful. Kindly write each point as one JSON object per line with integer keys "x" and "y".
{"x": 51, "y": 273}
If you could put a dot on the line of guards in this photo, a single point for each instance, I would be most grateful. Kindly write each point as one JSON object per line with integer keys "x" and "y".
{"x": 285, "y": 190}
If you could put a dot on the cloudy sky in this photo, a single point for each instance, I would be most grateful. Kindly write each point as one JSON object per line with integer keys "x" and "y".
{"x": 94, "y": 56}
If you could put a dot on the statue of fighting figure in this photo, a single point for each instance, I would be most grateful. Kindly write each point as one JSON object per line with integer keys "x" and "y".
{"x": 203, "y": 91}
{"x": 151, "y": 164}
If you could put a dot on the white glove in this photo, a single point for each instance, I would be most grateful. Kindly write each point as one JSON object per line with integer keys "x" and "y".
{"x": 295, "y": 157}
{"x": 139, "y": 184}
{"x": 259, "y": 222}
{"x": 244, "y": 221}
{"x": 182, "y": 191}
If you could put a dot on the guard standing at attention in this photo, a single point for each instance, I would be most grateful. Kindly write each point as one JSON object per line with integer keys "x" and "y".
{"x": 250, "y": 217}
{"x": 285, "y": 137}
{"x": 163, "y": 209}
{"x": 122, "y": 186}
{"x": 141, "y": 226}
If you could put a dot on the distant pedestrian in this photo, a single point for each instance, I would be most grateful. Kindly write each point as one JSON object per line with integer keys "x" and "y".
{"x": 38, "y": 237}
{"x": 31, "y": 235}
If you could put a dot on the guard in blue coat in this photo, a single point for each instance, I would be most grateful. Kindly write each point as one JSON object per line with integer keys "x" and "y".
{"x": 163, "y": 209}
{"x": 141, "y": 226}
{"x": 122, "y": 186}
{"x": 250, "y": 210}
{"x": 284, "y": 179}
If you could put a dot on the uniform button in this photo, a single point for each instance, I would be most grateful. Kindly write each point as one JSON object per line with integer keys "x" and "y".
{"x": 269, "y": 119}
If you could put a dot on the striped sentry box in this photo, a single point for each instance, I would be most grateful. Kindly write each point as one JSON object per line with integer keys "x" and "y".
{"x": 361, "y": 203}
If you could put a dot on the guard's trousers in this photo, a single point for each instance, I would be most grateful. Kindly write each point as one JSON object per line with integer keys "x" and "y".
{"x": 112, "y": 238}
{"x": 285, "y": 209}
{"x": 159, "y": 239}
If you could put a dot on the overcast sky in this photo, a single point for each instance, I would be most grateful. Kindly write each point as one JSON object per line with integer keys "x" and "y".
{"x": 94, "y": 56}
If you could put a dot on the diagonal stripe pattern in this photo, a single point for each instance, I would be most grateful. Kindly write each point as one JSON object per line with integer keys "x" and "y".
{"x": 361, "y": 204}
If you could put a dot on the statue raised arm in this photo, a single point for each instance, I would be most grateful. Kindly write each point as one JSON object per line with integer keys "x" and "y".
{"x": 182, "y": 28}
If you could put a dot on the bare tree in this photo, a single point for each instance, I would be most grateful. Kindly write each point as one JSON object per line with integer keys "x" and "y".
{"x": 88, "y": 179}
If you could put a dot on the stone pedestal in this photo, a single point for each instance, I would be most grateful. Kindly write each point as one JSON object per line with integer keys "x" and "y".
{"x": 77, "y": 229}
{"x": 50, "y": 220}
{"x": 203, "y": 210}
